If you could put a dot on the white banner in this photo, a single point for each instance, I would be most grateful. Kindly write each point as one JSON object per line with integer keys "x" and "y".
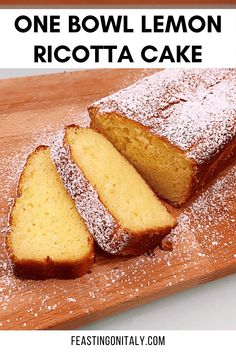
{"x": 168, "y": 342}
{"x": 117, "y": 38}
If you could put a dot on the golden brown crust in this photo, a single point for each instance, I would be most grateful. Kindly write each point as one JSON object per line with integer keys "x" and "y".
{"x": 214, "y": 165}
{"x": 32, "y": 269}
{"x": 142, "y": 242}
{"x": 119, "y": 240}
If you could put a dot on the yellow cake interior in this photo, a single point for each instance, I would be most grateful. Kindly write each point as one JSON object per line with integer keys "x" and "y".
{"x": 45, "y": 221}
{"x": 122, "y": 190}
{"x": 166, "y": 169}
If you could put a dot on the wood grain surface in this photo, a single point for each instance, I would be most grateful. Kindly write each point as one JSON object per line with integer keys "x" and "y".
{"x": 32, "y": 109}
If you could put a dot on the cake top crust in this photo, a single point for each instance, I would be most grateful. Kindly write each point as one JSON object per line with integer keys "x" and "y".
{"x": 194, "y": 109}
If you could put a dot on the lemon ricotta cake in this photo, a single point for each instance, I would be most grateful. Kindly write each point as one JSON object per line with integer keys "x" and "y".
{"x": 177, "y": 127}
{"x": 119, "y": 208}
{"x": 46, "y": 236}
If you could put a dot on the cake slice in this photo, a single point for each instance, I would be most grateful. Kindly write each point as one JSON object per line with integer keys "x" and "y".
{"x": 120, "y": 210}
{"x": 177, "y": 127}
{"x": 47, "y": 237}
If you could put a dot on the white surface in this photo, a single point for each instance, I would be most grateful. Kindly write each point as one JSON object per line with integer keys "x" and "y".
{"x": 209, "y": 306}
{"x": 10, "y": 73}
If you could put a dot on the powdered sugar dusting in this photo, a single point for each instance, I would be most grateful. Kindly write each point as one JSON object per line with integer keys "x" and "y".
{"x": 99, "y": 221}
{"x": 199, "y": 241}
{"x": 209, "y": 218}
{"x": 195, "y": 109}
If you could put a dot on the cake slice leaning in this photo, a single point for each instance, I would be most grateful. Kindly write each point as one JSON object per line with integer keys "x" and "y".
{"x": 118, "y": 207}
{"x": 47, "y": 237}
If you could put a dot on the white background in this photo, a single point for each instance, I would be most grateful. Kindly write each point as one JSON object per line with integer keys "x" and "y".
{"x": 219, "y": 49}
{"x": 176, "y": 342}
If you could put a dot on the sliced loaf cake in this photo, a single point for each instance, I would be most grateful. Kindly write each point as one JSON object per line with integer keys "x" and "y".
{"x": 120, "y": 210}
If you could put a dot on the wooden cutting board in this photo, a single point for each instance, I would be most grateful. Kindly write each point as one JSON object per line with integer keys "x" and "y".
{"x": 32, "y": 109}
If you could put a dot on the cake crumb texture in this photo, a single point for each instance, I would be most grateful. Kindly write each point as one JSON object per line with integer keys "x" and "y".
{"x": 46, "y": 231}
